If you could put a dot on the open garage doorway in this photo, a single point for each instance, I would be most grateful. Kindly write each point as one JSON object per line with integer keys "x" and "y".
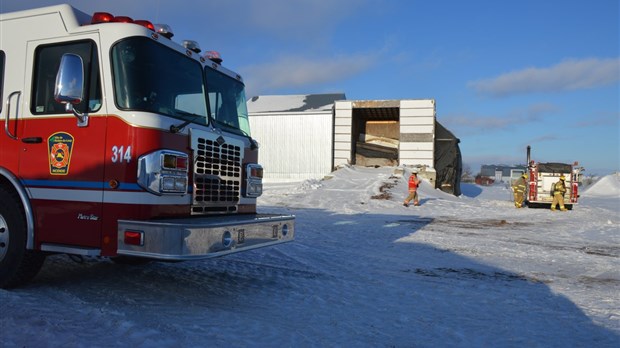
{"x": 375, "y": 132}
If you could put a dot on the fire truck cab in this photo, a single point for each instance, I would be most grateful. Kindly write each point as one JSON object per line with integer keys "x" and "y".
{"x": 118, "y": 141}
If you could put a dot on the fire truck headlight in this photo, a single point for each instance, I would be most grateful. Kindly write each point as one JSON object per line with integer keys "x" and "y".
{"x": 164, "y": 172}
{"x": 172, "y": 184}
{"x": 167, "y": 184}
{"x": 180, "y": 184}
{"x": 254, "y": 189}
{"x": 254, "y": 180}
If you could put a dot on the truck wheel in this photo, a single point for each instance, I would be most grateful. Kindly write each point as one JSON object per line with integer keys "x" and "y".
{"x": 17, "y": 265}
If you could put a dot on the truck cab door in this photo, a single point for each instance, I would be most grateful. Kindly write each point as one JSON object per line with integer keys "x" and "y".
{"x": 61, "y": 163}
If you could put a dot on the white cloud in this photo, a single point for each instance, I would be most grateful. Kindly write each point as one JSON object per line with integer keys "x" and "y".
{"x": 299, "y": 71}
{"x": 477, "y": 124}
{"x": 566, "y": 76}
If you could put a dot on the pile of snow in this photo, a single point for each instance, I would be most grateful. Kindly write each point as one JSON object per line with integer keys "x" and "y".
{"x": 607, "y": 186}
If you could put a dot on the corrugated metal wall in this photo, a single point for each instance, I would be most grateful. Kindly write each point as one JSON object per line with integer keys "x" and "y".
{"x": 294, "y": 146}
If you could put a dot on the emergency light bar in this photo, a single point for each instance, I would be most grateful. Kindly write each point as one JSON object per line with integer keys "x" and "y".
{"x": 162, "y": 29}
{"x": 105, "y": 17}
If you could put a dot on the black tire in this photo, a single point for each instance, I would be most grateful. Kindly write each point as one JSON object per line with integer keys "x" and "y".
{"x": 17, "y": 265}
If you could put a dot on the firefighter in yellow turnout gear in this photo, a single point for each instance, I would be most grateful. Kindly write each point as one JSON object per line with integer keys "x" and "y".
{"x": 518, "y": 189}
{"x": 559, "y": 188}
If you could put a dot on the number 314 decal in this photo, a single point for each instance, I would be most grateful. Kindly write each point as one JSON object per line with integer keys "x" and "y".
{"x": 121, "y": 154}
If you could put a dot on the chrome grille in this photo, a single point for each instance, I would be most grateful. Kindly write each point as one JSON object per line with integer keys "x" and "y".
{"x": 217, "y": 174}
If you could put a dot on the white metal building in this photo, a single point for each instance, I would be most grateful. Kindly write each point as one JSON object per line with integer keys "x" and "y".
{"x": 295, "y": 133}
{"x": 308, "y": 136}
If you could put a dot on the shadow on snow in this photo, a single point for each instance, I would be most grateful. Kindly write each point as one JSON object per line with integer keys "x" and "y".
{"x": 347, "y": 280}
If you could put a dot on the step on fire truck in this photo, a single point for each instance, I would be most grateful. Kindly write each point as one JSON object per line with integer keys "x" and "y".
{"x": 541, "y": 178}
{"x": 119, "y": 142}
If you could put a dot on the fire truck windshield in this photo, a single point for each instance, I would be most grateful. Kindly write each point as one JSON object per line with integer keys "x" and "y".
{"x": 150, "y": 77}
{"x": 227, "y": 102}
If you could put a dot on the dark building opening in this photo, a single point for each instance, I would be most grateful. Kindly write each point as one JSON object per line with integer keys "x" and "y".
{"x": 375, "y": 133}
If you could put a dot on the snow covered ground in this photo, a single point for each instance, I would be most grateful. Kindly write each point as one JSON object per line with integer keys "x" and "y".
{"x": 364, "y": 270}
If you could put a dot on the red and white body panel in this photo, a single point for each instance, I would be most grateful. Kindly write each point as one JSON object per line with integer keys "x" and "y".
{"x": 79, "y": 184}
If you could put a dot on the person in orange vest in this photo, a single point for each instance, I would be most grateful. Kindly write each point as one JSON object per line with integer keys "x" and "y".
{"x": 414, "y": 182}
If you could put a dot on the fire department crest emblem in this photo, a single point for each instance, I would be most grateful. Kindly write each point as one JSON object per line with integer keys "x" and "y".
{"x": 60, "y": 146}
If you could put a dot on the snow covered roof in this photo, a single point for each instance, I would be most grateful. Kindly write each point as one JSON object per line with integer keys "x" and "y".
{"x": 293, "y": 103}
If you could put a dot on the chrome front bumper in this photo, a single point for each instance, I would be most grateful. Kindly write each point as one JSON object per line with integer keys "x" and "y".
{"x": 203, "y": 237}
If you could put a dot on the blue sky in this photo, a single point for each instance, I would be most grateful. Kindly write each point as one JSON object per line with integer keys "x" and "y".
{"x": 504, "y": 74}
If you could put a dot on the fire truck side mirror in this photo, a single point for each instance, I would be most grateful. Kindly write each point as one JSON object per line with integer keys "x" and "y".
{"x": 70, "y": 85}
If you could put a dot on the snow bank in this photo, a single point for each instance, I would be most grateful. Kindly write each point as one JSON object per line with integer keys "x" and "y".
{"x": 608, "y": 186}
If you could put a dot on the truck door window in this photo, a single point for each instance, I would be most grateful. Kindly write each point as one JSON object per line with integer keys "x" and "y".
{"x": 47, "y": 61}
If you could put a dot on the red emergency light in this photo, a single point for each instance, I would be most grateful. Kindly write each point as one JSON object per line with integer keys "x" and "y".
{"x": 122, "y": 19}
{"x": 145, "y": 24}
{"x": 105, "y": 17}
{"x": 101, "y": 17}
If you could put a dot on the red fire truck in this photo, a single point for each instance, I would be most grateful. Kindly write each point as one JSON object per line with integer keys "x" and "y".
{"x": 120, "y": 142}
{"x": 541, "y": 178}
